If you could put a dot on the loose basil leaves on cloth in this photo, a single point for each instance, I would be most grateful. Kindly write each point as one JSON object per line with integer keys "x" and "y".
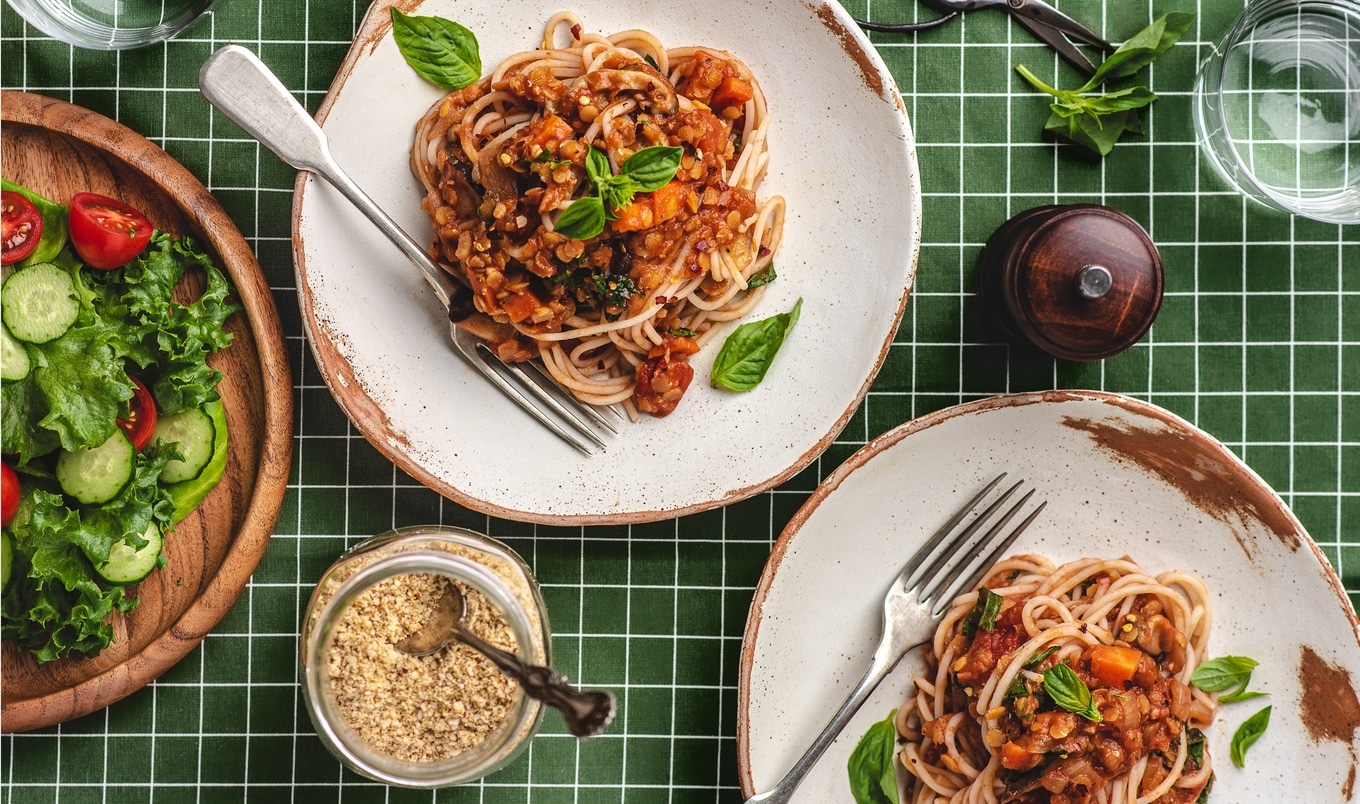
{"x": 441, "y": 51}
{"x": 1097, "y": 122}
{"x": 873, "y": 774}
{"x": 645, "y": 171}
{"x": 748, "y": 352}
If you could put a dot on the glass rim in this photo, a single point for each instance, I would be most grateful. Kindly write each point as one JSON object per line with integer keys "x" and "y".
{"x": 63, "y": 24}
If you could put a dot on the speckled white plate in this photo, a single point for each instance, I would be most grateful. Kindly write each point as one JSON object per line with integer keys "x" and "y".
{"x": 1121, "y": 477}
{"x": 843, "y": 157}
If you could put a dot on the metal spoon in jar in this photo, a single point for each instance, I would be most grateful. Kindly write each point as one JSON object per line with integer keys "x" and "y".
{"x": 586, "y": 712}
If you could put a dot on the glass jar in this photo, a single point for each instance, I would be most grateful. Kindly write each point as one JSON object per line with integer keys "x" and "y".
{"x": 477, "y": 563}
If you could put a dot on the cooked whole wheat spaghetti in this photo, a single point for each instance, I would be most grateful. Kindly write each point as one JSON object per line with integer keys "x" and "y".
{"x": 984, "y": 724}
{"x": 614, "y": 316}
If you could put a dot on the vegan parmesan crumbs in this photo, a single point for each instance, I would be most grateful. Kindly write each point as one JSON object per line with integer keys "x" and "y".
{"x": 418, "y": 708}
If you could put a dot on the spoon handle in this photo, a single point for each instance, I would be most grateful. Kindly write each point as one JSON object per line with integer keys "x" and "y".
{"x": 586, "y": 712}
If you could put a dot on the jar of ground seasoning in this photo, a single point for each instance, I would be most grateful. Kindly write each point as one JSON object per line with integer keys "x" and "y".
{"x": 421, "y": 721}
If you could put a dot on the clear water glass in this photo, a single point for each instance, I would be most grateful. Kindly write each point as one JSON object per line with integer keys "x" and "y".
{"x": 1277, "y": 107}
{"x": 110, "y": 24}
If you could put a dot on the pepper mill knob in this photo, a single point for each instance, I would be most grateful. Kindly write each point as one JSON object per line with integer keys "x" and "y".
{"x": 1079, "y": 282}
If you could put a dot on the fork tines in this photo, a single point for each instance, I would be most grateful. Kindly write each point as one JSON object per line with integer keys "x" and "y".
{"x": 941, "y": 575}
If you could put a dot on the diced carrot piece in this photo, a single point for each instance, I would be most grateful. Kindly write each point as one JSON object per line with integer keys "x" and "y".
{"x": 732, "y": 92}
{"x": 668, "y": 200}
{"x": 1015, "y": 757}
{"x": 520, "y": 306}
{"x": 550, "y": 129}
{"x": 705, "y": 75}
{"x": 1112, "y": 665}
{"x": 637, "y": 216}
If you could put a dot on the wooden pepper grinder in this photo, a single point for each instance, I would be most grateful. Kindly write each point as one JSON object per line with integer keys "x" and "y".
{"x": 1079, "y": 282}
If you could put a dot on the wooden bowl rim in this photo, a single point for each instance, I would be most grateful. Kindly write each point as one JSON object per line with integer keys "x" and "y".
{"x": 271, "y": 478}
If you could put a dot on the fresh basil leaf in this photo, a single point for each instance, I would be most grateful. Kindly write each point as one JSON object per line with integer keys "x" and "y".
{"x": 1195, "y": 747}
{"x": 1121, "y": 101}
{"x": 1040, "y": 656}
{"x": 1247, "y": 734}
{"x": 647, "y": 57}
{"x": 617, "y": 192}
{"x": 582, "y": 220}
{"x": 1142, "y": 48}
{"x": 764, "y": 276}
{"x": 873, "y": 774}
{"x": 1017, "y": 687}
{"x": 1071, "y": 693}
{"x": 1099, "y": 135}
{"x": 1204, "y": 794}
{"x": 597, "y": 166}
{"x": 440, "y": 51}
{"x": 984, "y": 612}
{"x": 1240, "y": 695}
{"x": 652, "y": 168}
{"x": 682, "y": 332}
{"x": 1225, "y": 672}
{"x": 748, "y": 352}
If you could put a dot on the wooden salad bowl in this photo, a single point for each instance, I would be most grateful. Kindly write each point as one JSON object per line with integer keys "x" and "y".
{"x": 58, "y": 149}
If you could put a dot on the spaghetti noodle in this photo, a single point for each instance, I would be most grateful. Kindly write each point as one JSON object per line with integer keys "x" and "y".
{"x": 614, "y": 316}
{"x": 992, "y": 721}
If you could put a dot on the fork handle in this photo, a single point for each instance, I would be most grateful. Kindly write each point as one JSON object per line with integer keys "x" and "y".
{"x": 240, "y": 86}
{"x": 885, "y": 659}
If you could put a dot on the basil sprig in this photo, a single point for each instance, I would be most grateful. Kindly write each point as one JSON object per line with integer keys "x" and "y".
{"x": 873, "y": 775}
{"x": 1248, "y": 733}
{"x": 1098, "y": 121}
{"x": 1226, "y": 672}
{"x": 748, "y": 352}
{"x": 441, "y": 51}
{"x": 1067, "y": 690}
{"x": 645, "y": 171}
{"x": 984, "y": 612}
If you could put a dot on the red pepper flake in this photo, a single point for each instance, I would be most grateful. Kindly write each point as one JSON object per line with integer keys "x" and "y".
{"x": 703, "y": 246}
{"x": 576, "y": 32}
{"x": 763, "y": 252}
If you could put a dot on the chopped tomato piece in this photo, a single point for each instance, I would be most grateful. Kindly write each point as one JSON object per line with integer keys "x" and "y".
{"x": 519, "y": 306}
{"x": 141, "y": 421}
{"x": 675, "y": 346}
{"x": 105, "y": 232}
{"x": 1017, "y": 758}
{"x": 705, "y": 75}
{"x": 22, "y": 227}
{"x": 661, "y": 382}
{"x": 732, "y": 92}
{"x": 1113, "y": 665}
{"x": 550, "y": 129}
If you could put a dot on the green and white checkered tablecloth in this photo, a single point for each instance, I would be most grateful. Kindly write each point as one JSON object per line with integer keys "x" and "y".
{"x": 1258, "y": 342}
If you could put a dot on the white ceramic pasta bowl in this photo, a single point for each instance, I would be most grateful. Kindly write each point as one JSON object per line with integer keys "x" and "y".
{"x": 843, "y": 157}
{"x": 1121, "y": 477}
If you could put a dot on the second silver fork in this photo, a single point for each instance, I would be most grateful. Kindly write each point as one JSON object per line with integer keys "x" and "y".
{"x": 948, "y": 564}
{"x": 239, "y": 85}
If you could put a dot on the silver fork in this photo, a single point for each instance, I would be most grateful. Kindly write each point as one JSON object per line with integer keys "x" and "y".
{"x": 945, "y": 566}
{"x": 241, "y": 87}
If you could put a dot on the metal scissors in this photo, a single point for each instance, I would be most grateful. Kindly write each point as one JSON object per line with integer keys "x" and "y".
{"x": 1043, "y": 20}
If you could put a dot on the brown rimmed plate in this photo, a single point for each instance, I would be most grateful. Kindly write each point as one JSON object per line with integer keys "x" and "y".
{"x": 1121, "y": 477}
{"x": 58, "y": 149}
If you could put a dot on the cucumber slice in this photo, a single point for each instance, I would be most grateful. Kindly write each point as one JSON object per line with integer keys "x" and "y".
{"x": 193, "y": 432}
{"x": 6, "y": 559}
{"x": 14, "y": 362}
{"x": 190, "y": 493}
{"x": 96, "y": 475}
{"x": 39, "y": 303}
{"x": 126, "y": 565}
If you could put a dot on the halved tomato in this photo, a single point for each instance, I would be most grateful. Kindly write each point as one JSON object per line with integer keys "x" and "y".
{"x": 140, "y": 424}
{"x": 10, "y": 492}
{"x": 21, "y": 227}
{"x": 106, "y": 232}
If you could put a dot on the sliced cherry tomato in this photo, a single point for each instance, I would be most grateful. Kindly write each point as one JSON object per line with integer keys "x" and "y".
{"x": 22, "y": 227}
{"x": 106, "y": 232}
{"x": 141, "y": 421}
{"x": 9, "y": 494}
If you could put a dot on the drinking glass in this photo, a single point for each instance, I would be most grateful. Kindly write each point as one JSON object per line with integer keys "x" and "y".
{"x": 110, "y": 24}
{"x": 1277, "y": 107}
